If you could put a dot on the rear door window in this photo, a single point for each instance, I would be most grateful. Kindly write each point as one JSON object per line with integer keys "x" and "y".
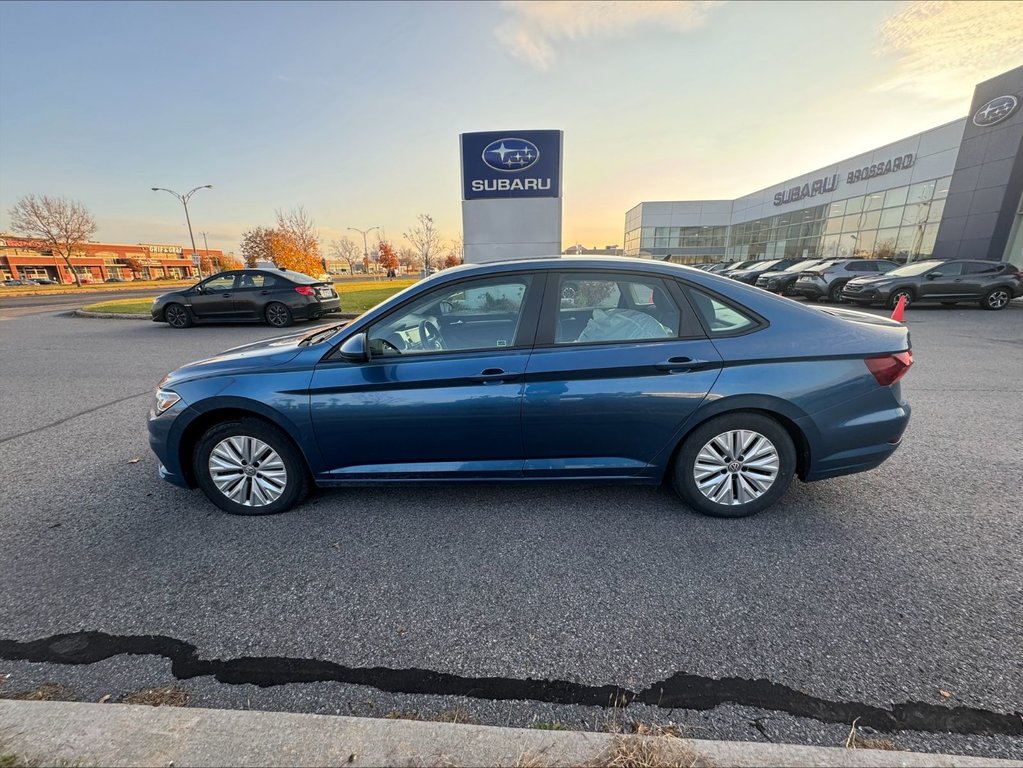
{"x": 600, "y": 308}
{"x": 981, "y": 268}
{"x": 256, "y": 281}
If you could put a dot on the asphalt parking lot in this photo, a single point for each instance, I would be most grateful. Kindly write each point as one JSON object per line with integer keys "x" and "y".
{"x": 897, "y": 592}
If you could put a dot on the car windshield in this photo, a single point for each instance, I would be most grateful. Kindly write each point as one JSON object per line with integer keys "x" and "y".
{"x": 764, "y": 264}
{"x": 803, "y": 265}
{"x": 914, "y": 269}
{"x": 738, "y": 265}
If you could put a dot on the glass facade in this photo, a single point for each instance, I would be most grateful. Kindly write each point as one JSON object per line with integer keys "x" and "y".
{"x": 899, "y": 224}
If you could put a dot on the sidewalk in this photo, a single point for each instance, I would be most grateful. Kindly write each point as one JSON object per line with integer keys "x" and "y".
{"x": 48, "y": 732}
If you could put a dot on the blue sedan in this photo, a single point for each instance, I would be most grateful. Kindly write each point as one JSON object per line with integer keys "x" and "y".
{"x": 546, "y": 369}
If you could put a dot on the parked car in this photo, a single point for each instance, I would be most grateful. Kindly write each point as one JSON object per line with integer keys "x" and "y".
{"x": 993, "y": 284}
{"x": 44, "y": 281}
{"x": 735, "y": 266}
{"x": 781, "y": 281}
{"x": 749, "y": 275}
{"x": 275, "y": 296}
{"x": 20, "y": 281}
{"x": 718, "y": 267}
{"x": 827, "y": 280}
{"x": 583, "y": 369}
{"x": 115, "y": 279}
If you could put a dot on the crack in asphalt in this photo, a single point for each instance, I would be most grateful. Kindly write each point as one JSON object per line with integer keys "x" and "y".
{"x": 66, "y": 419}
{"x": 680, "y": 691}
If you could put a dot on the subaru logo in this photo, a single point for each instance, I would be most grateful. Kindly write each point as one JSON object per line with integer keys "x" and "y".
{"x": 511, "y": 154}
{"x": 995, "y": 111}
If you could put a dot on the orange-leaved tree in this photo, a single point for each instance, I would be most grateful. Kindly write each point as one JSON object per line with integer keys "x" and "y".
{"x": 388, "y": 256}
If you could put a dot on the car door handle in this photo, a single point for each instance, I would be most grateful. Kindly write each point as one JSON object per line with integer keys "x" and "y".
{"x": 489, "y": 375}
{"x": 264, "y": 293}
{"x": 680, "y": 364}
{"x": 227, "y": 295}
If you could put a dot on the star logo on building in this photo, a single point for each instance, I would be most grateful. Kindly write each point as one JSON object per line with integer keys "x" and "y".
{"x": 995, "y": 111}
{"x": 511, "y": 155}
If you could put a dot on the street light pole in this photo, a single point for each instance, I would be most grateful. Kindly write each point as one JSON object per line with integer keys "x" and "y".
{"x": 206, "y": 247}
{"x": 365, "y": 249}
{"x": 184, "y": 201}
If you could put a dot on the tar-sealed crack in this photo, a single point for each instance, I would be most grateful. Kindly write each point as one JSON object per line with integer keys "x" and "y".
{"x": 680, "y": 691}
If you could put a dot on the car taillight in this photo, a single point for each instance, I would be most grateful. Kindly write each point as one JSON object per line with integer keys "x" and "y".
{"x": 890, "y": 368}
{"x": 305, "y": 290}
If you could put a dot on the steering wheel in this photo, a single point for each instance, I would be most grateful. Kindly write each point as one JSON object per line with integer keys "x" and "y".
{"x": 429, "y": 335}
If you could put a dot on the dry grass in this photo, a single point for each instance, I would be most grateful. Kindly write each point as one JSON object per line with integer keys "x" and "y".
{"x": 663, "y": 751}
{"x": 855, "y": 741}
{"x": 45, "y": 692}
{"x": 456, "y": 715}
{"x": 167, "y": 696}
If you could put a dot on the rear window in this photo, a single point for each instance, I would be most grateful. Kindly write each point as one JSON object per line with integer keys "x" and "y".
{"x": 299, "y": 277}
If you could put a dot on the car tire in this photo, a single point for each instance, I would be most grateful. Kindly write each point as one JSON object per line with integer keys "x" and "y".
{"x": 234, "y": 445}
{"x": 708, "y": 447}
{"x": 893, "y": 299}
{"x": 176, "y": 316}
{"x": 277, "y": 315}
{"x": 996, "y": 298}
{"x": 835, "y": 293}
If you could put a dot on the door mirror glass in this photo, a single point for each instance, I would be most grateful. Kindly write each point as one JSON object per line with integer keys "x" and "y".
{"x": 354, "y": 349}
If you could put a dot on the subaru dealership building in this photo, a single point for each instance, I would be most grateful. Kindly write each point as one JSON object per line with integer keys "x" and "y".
{"x": 952, "y": 192}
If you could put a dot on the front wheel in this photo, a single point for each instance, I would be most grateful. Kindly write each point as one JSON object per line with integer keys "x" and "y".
{"x": 893, "y": 300}
{"x": 278, "y": 315}
{"x": 250, "y": 467}
{"x": 835, "y": 294}
{"x": 176, "y": 316}
{"x": 997, "y": 298}
{"x": 735, "y": 465}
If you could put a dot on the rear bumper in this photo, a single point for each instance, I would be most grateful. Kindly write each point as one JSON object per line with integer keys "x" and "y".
{"x": 316, "y": 309}
{"x": 859, "y": 435}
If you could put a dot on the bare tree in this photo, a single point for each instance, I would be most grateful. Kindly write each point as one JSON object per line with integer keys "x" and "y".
{"x": 424, "y": 238}
{"x": 458, "y": 249}
{"x": 408, "y": 259}
{"x": 64, "y": 225}
{"x": 346, "y": 250}
{"x": 300, "y": 230}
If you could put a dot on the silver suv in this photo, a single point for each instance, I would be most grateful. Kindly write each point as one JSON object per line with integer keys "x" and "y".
{"x": 828, "y": 278}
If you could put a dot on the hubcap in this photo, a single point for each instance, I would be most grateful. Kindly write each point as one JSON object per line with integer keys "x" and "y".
{"x": 248, "y": 471}
{"x": 736, "y": 467}
{"x": 998, "y": 299}
{"x": 277, "y": 314}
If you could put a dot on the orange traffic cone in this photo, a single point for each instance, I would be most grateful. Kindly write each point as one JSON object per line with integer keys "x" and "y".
{"x": 899, "y": 313}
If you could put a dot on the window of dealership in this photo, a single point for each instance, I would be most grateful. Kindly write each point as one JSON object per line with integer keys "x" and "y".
{"x": 955, "y": 191}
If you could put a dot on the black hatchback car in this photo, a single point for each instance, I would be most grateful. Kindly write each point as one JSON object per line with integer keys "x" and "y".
{"x": 993, "y": 284}
{"x": 277, "y": 297}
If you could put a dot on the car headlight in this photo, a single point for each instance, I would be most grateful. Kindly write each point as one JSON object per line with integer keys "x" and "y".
{"x": 165, "y": 399}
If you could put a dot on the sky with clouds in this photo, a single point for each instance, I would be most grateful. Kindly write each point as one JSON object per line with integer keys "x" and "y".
{"x": 353, "y": 110}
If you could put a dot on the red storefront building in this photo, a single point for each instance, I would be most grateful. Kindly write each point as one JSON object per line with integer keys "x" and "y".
{"x": 22, "y": 258}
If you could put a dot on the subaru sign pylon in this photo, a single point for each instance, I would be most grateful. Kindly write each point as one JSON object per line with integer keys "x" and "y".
{"x": 511, "y": 194}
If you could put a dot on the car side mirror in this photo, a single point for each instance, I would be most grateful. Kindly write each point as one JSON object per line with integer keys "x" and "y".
{"x": 355, "y": 349}
{"x": 932, "y": 275}
{"x": 197, "y": 289}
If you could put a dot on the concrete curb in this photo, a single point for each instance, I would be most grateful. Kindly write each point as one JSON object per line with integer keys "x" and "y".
{"x": 111, "y": 315}
{"x": 127, "y": 735}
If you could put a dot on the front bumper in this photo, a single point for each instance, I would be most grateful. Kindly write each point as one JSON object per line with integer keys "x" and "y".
{"x": 810, "y": 290}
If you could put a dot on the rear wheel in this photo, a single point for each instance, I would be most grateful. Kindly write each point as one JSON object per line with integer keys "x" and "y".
{"x": 250, "y": 467}
{"x": 996, "y": 298}
{"x": 735, "y": 465}
{"x": 176, "y": 316}
{"x": 893, "y": 300}
{"x": 277, "y": 315}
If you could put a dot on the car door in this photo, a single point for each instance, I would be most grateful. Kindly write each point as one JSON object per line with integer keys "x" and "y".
{"x": 619, "y": 365}
{"x": 978, "y": 277}
{"x": 214, "y": 298}
{"x": 944, "y": 282}
{"x": 252, "y": 294}
{"x": 428, "y": 405}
